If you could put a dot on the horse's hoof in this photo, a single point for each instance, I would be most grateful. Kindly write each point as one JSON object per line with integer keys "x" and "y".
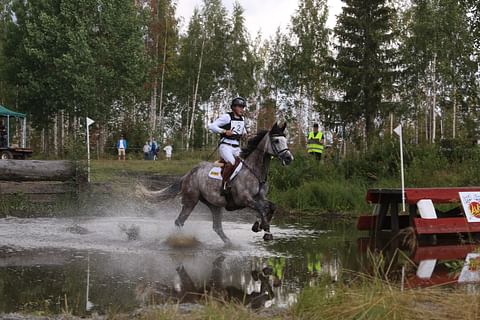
{"x": 267, "y": 237}
{"x": 256, "y": 227}
{"x": 265, "y": 227}
{"x": 178, "y": 224}
{"x": 267, "y": 270}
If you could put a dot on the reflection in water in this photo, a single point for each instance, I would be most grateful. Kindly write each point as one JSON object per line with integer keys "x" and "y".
{"x": 88, "y": 304}
{"x": 185, "y": 290}
{"x": 444, "y": 263}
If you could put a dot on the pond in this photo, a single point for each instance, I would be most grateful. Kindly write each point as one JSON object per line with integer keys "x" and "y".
{"x": 118, "y": 263}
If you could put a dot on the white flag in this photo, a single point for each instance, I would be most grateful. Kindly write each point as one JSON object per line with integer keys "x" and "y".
{"x": 398, "y": 130}
{"x": 89, "y": 121}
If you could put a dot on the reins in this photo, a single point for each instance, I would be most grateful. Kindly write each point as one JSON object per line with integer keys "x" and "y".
{"x": 211, "y": 154}
{"x": 276, "y": 153}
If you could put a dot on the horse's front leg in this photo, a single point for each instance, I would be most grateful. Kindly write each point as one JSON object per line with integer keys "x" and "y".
{"x": 263, "y": 208}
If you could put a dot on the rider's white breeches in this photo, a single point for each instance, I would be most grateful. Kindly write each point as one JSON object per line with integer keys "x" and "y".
{"x": 228, "y": 153}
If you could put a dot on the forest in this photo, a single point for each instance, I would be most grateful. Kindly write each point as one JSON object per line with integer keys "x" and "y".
{"x": 128, "y": 65}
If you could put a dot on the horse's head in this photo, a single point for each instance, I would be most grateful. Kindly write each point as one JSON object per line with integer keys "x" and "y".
{"x": 278, "y": 146}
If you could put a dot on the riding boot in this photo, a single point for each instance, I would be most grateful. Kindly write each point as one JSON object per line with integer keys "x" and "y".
{"x": 227, "y": 172}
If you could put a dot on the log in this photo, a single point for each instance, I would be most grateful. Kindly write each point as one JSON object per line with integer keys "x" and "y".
{"x": 37, "y": 170}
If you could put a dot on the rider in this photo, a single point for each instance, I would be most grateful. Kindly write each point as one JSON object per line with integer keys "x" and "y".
{"x": 231, "y": 127}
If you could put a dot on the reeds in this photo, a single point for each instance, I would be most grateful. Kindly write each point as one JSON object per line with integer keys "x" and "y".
{"x": 370, "y": 298}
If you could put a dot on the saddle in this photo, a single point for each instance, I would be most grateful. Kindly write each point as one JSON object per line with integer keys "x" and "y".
{"x": 221, "y": 164}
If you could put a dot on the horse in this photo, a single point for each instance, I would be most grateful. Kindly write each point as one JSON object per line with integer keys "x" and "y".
{"x": 248, "y": 186}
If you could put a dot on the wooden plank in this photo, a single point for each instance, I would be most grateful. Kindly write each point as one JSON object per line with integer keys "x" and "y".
{"x": 412, "y": 195}
{"x": 38, "y": 187}
{"x": 445, "y": 225}
{"x": 437, "y": 195}
{"x": 444, "y": 252}
{"x": 377, "y": 195}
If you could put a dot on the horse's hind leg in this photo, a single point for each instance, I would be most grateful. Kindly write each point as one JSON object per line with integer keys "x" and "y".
{"x": 217, "y": 222}
{"x": 187, "y": 208}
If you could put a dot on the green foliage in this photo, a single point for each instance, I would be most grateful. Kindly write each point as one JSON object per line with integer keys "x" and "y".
{"x": 365, "y": 63}
{"x": 63, "y": 55}
{"x": 310, "y": 185}
{"x": 437, "y": 52}
{"x": 341, "y": 186}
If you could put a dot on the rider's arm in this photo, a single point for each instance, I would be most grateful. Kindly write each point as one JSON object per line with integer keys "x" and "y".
{"x": 221, "y": 121}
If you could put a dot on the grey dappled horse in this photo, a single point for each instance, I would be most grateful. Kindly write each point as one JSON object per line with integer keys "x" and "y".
{"x": 248, "y": 188}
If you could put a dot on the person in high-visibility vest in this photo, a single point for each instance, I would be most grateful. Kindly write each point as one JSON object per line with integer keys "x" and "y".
{"x": 315, "y": 142}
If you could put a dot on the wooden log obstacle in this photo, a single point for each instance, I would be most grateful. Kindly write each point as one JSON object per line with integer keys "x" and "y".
{"x": 40, "y": 181}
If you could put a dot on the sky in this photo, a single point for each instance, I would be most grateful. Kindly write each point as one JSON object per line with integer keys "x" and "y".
{"x": 264, "y": 15}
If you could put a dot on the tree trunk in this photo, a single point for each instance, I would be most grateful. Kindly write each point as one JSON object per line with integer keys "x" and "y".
{"x": 194, "y": 100}
{"x": 454, "y": 116}
{"x": 434, "y": 103}
{"x": 160, "y": 111}
{"x": 55, "y": 135}
{"x": 62, "y": 131}
{"x": 153, "y": 97}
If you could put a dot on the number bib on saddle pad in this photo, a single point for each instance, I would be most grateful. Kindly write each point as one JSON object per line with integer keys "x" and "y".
{"x": 216, "y": 172}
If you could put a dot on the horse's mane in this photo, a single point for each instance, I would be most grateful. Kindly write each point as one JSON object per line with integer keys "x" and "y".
{"x": 252, "y": 143}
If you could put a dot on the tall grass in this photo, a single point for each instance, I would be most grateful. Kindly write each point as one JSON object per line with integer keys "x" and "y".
{"x": 369, "y": 298}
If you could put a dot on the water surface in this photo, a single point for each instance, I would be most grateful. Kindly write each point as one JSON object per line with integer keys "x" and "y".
{"x": 90, "y": 264}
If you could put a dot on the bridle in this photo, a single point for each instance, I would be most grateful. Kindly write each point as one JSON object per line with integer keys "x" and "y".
{"x": 277, "y": 152}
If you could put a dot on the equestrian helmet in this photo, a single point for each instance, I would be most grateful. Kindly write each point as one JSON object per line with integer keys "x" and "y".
{"x": 239, "y": 101}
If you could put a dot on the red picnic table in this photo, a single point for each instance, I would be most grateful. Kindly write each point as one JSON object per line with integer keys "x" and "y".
{"x": 388, "y": 218}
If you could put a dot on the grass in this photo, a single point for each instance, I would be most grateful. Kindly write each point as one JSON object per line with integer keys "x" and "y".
{"x": 114, "y": 170}
{"x": 211, "y": 309}
{"x": 370, "y": 298}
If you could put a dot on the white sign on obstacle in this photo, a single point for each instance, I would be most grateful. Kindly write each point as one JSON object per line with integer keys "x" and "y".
{"x": 471, "y": 205}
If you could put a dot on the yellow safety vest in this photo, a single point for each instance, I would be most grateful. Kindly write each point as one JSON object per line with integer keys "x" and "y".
{"x": 313, "y": 143}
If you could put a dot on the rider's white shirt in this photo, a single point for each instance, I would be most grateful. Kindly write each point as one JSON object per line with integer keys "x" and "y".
{"x": 237, "y": 127}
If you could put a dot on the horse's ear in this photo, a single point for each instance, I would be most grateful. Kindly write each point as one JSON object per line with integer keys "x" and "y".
{"x": 275, "y": 127}
{"x": 284, "y": 126}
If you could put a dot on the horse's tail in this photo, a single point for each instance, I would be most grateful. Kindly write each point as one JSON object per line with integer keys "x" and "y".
{"x": 166, "y": 193}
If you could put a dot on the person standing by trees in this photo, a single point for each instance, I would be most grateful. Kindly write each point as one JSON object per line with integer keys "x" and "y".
{"x": 146, "y": 150}
{"x": 154, "y": 149}
{"x": 168, "y": 151}
{"x": 122, "y": 147}
{"x": 231, "y": 127}
{"x": 315, "y": 142}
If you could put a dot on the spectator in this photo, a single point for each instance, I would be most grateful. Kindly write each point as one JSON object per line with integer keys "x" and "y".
{"x": 122, "y": 147}
{"x": 146, "y": 150}
{"x": 168, "y": 151}
{"x": 154, "y": 150}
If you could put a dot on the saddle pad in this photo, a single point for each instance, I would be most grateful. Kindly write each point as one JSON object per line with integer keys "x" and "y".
{"x": 216, "y": 172}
